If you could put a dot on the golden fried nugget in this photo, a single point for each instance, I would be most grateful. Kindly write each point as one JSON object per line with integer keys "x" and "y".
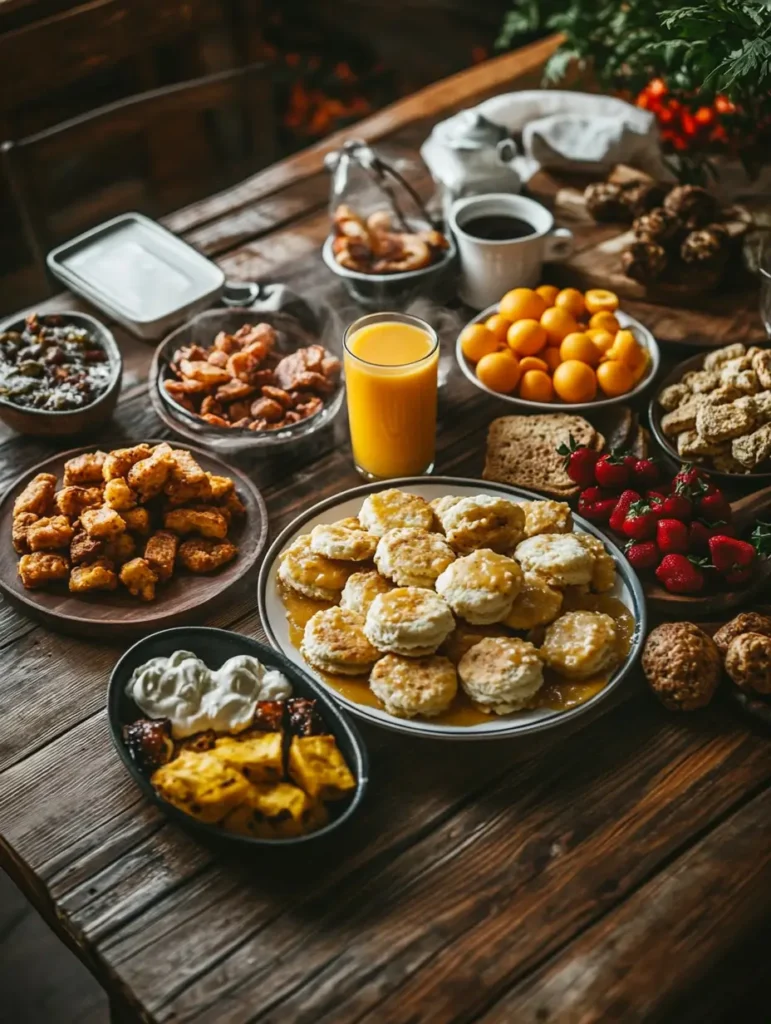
{"x": 184, "y": 467}
{"x": 234, "y": 505}
{"x": 74, "y": 499}
{"x": 97, "y": 575}
{"x": 221, "y": 486}
{"x": 161, "y": 553}
{"x": 119, "y": 462}
{"x": 84, "y": 548}
{"x": 137, "y": 520}
{"x": 187, "y": 481}
{"x": 50, "y": 533}
{"x": 206, "y": 555}
{"x": 148, "y": 476}
{"x": 118, "y": 495}
{"x": 188, "y": 520}
{"x": 37, "y": 496}
{"x": 84, "y": 469}
{"x": 41, "y": 568}
{"x": 139, "y": 579}
{"x": 102, "y": 522}
{"x": 121, "y": 548}
{"x": 22, "y": 523}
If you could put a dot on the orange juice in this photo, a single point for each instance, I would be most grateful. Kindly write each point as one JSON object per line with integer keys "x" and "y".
{"x": 391, "y": 362}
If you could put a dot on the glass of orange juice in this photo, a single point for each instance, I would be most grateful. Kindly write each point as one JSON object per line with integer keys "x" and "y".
{"x": 391, "y": 363}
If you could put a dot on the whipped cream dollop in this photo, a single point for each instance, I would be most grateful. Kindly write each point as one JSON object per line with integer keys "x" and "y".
{"x": 194, "y": 698}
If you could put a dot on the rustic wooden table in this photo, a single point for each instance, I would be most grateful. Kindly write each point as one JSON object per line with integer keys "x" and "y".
{"x": 620, "y": 872}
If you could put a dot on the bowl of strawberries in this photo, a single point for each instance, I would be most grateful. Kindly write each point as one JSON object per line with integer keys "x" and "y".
{"x": 680, "y": 533}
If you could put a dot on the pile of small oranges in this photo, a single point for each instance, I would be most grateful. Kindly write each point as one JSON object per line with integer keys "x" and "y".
{"x": 545, "y": 344}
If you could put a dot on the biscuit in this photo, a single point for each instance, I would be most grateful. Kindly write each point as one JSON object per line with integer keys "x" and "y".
{"x": 725, "y": 393}
{"x": 481, "y": 587}
{"x": 409, "y": 620}
{"x": 752, "y": 449}
{"x": 312, "y": 575}
{"x": 581, "y": 644}
{"x": 501, "y": 674}
{"x": 344, "y": 540}
{"x": 724, "y": 462}
{"x": 334, "y": 641}
{"x": 439, "y": 506}
{"x": 673, "y": 396}
{"x": 723, "y": 422}
{"x": 701, "y": 381}
{"x": 484, "y": 521}
{"x": 682, "y": 418}
{"x": 604, "y": 569}
{"x": 690, "y": 442}
{"x": 720, "y": 356}
{"x": 746, "y": 381}
{"x": 761, "y": 364}
{"x": 464, "y": 636}
{"x": 361, "y": 589}
{"x": 414, "y": 686}
{"x": 559, "y": 558}
{"x": 537, "y": 604}
{"x": 547, "y": 517}
{"x": 748, "y": 662}
{"x": 762, "y": 406}
{"x": 413, "y": 558}
{"x": 393, "y": 509}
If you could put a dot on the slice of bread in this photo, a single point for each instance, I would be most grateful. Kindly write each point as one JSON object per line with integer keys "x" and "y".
{"x": 522, "y": 451}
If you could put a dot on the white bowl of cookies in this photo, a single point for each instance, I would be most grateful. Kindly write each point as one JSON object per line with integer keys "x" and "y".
{"x": 453, "y": 608}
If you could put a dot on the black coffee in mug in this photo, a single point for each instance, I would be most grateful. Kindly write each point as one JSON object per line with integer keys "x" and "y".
{"x": 497, "y": 227}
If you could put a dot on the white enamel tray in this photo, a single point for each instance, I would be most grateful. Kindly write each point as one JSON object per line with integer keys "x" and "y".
{"x": 274, "y": 620}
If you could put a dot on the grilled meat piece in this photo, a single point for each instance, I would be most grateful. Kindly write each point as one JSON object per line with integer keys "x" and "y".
{"x": 304, "y": 719}
{"x": 149, "y": 743}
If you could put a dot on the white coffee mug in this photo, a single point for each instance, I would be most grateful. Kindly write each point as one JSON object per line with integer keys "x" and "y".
{"x": 489, "y": 268}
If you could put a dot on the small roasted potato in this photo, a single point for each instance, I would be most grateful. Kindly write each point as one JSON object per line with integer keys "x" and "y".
{"x": 118, "y": 495}
{"x": 21, "y": 524}
{"x": 41, "y": 568}
{"x": 137, "y": 520}
{"x": 102, "y": 523}
{"x": 207, "y": 523}
{"x": 120, "y": 549}
{"x": 161, "y": 553}
{"x": 203, "y": 371}
{"x": 120, "y": 461}
{"x": 37, "y": 496}
{"x": 148, "y": 476}
{"x": 50, "y": 534}
{"x": 97, "y": 575}
{"x": 74, "y": 499}
{"x": 139, "y": 579}
{"x": 202, "y": 556}
{"x": 84, "y": 469}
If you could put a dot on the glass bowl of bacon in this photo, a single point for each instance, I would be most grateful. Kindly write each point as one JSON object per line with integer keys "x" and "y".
{"x": 241, "y": 379}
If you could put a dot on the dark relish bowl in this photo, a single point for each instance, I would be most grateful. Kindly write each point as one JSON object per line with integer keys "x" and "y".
{"x": 66, "y": 381}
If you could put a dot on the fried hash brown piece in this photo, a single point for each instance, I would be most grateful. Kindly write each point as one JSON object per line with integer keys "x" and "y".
{"x": 276, "y": 810}
{"x": 206, "y": 555}
{"x": 187, "y": 481}
{"x": 260, "y": 757}
{"x": 149, "y": 742}
{"x": 74, "y": 499}
{"x": 37, "y": 496}
{"x": 102, "y": 522}
{"x": 41, "y": 568}
{"x": 120, "y": 549}
{"x": 118, "y": 495}
{"x": 200, "y": 785}
{"x": 50, "y": 534}
{"x": 21, "y": 524}
{"x": 85, "y": 548}
{"x": 137, "y": 520}
{"x": 316, "y": 764}
{"x": 84, "y": 469}
{"x": 148, "y": 476}
{"x": 220, "y": 486}
{"x": 139, "y": 579}
{"x": 304, "y": 719}
{"x": 97, "y": 575}
{"x": 161, "y": 553}
{"x": 206, "y": 523}
{"x": 119, "y": 462}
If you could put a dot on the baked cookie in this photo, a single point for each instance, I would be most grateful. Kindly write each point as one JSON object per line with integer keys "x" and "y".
{"x": 501, "y": 674}
{"x": 412, "y": 557}
{"x": 393, "y": 509}
{"x": 334, "y": 641}
{"x": 716, "y": 423}
{"x": 581, "y": 644}
{"x": 414, "y": 686}
{"x": 481, "y": 587}
{"x": 748, "y": 662}
{"x": 682, "y": 665}
{"x": 720, "y": 356}
{"x": 752, "y": 449}
{"x": 561, "y": 559}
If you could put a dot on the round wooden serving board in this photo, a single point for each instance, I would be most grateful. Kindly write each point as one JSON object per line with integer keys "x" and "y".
{"x": 113, "y": 614}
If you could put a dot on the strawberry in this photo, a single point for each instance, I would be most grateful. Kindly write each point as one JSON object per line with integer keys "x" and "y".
{"x": 729, "y": 553}
{"x": 626, "y": 499}
{"x": 678, "y": 504}
{"x": 642, "y": 554}
{"x": 596, "y": 505}
{"x": 714, "y": 507}
{"x": 640, "y": 521}
{"x": 612, "y": 471}
{"x": 644, "y": 472}
{"x": 699, "y": 534}
{"x": 672, "y": 536}
{"x": 690, "y": 476}
{"x": 680, "y": 575}
{"x": 736, "y": 577}
{"x": 579, "y": 461}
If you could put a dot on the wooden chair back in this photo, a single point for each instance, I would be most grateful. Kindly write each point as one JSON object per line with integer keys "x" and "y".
{"x": 153, "y": 153}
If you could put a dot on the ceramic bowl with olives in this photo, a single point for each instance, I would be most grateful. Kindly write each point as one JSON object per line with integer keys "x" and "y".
{"x": 60, "y": 373}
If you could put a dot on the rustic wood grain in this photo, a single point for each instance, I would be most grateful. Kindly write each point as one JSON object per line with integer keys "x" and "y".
{"x": 477, "y": 879}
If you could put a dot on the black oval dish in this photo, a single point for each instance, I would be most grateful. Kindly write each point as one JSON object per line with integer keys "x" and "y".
{"x": 214, "y": 647}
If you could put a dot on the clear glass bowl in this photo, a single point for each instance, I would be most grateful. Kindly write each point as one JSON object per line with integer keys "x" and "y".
{"x": 202, "y": 330}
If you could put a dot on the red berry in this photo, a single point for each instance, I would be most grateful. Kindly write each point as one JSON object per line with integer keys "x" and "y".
{"x": 678, "y": 505}
{"x": 690, "y": 476}
{"x": 714, "y": 507}
{"x": 626, "y": 499}
{"x": 672, "y": 536}
{"x": 729, "y": 553}
{"x": 579, "y": 461}
{"x": 612, "y": 471}
{"x": 736, "y": 577}
{"x": 699, "y": 534}
{"x": 643, "y": 554}
{"x": 644, "y": 472}
{"x": 596, "y": 505}
{"x": 680, "y": 575}
{"x": 640, "y": 521}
